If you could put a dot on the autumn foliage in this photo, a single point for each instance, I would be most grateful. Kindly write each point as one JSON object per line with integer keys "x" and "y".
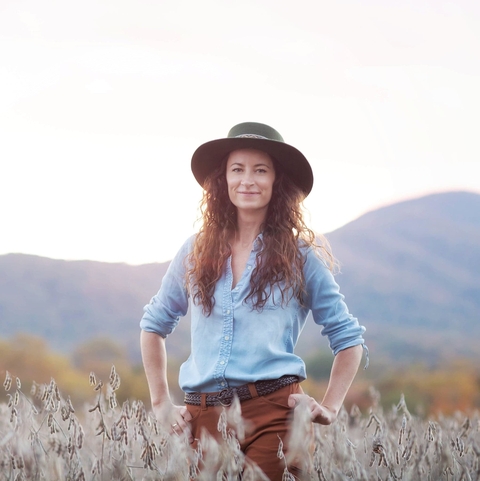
{"x": 429, "y": 390}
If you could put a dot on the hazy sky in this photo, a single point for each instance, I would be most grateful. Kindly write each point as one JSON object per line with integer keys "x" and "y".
{"x": 104, "y": 101}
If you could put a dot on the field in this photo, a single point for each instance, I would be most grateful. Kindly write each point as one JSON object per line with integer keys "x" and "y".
{"x": 44, "y": 437}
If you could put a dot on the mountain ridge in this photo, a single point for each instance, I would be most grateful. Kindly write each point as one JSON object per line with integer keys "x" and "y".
{"x": 409, "y": 273}
{"x": 416, "y": 260}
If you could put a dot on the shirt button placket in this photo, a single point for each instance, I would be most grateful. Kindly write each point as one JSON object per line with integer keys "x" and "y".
{"x": 226, "y": 343}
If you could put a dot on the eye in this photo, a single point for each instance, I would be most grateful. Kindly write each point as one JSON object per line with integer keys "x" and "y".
{"x": 236, "y": 169}
{"x": 262, "y": 171}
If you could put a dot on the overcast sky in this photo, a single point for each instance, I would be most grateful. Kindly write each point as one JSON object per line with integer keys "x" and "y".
{"x": 103, "y": 103}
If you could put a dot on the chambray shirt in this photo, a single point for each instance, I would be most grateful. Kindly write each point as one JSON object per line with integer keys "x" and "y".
{"x": 237, "y": 344}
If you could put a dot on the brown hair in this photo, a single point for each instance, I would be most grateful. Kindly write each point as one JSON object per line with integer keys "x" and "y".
{"x": 279, "y": 261}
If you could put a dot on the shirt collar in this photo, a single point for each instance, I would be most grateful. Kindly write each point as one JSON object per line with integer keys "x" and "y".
{"x": 258, "y": 243}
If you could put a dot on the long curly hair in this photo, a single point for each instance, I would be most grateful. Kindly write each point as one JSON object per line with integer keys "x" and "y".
{"x": 279, "y": 261}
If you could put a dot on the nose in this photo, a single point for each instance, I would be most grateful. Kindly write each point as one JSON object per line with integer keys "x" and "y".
{"x": 247, "y": 180}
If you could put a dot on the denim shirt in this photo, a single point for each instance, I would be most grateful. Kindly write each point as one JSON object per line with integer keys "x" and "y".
{"x": 237, "y": 344}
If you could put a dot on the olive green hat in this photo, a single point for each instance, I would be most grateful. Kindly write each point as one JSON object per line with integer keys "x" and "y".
{"x": 252, "y": 135}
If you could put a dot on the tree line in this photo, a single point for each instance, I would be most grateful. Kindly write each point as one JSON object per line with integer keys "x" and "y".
{"x": 451, "y": 386}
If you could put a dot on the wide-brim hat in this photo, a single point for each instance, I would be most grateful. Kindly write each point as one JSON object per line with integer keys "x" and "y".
{"x": 252, "y": 135}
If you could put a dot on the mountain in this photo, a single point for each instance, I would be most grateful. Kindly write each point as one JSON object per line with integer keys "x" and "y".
{"x": 410, "y": 272}
{"x": 68, "y": 302}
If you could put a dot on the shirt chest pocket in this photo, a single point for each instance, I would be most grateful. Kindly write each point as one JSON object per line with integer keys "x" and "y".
{"x": 270, "y": 305}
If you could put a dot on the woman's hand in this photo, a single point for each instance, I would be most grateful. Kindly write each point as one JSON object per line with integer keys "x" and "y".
{"x": 174, "y": 419}
{"x": 319, "y": 413}
{"x": 344, "y": 368}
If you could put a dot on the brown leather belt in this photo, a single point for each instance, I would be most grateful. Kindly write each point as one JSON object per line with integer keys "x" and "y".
{"x": 225, "y": 397}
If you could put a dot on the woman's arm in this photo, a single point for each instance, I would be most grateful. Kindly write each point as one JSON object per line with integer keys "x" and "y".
{"x": 154, "y": 356}
{"x": 344, "y": 369}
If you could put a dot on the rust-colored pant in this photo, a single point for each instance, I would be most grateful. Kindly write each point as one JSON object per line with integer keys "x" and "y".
{"x": 267, "y": 421}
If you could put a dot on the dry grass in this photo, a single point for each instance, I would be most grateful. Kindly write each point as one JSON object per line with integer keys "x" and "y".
{"x": 44, "y": 437}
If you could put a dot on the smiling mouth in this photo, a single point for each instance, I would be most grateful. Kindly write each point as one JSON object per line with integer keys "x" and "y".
{"x": 248, "y": 193}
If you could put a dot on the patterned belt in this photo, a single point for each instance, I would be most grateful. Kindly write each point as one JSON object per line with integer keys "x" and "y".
{"x": 225, "y": 397}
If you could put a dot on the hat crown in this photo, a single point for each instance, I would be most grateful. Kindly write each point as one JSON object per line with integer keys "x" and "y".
{"x": 254, "y": 130}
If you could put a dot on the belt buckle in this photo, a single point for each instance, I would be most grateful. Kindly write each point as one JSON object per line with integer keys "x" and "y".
{"x": 225, "y": 397}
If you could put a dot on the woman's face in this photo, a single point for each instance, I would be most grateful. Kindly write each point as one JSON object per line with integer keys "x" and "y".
{"x": 250, "y": 177}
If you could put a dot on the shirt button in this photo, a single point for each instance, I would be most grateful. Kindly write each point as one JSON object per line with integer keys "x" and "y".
{"x": 227, "y": 338}
{"x": 222, "y": 384}
{"x": 222, "y": 362}
{"x": 228, "y": 312}
{"x": 249, "y": 267}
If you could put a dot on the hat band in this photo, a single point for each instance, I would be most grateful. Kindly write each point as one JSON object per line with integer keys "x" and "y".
{"x": 250, "y": 136}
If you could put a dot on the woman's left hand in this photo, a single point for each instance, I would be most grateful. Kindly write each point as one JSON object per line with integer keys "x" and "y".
{"x": 319, "y": 413}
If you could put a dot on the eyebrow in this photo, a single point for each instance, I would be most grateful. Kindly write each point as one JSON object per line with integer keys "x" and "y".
{"x": 255, "y": 165}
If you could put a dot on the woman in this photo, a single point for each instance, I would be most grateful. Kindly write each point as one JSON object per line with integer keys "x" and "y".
{"x": 253, "y": 273}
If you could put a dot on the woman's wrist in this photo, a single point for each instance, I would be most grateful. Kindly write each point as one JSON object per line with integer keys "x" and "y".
{"x": 161, "y": 401}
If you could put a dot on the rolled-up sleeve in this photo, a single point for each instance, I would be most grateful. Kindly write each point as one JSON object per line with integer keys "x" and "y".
{"x": 162, "y": 314}
{"x": 328, "y": 307}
